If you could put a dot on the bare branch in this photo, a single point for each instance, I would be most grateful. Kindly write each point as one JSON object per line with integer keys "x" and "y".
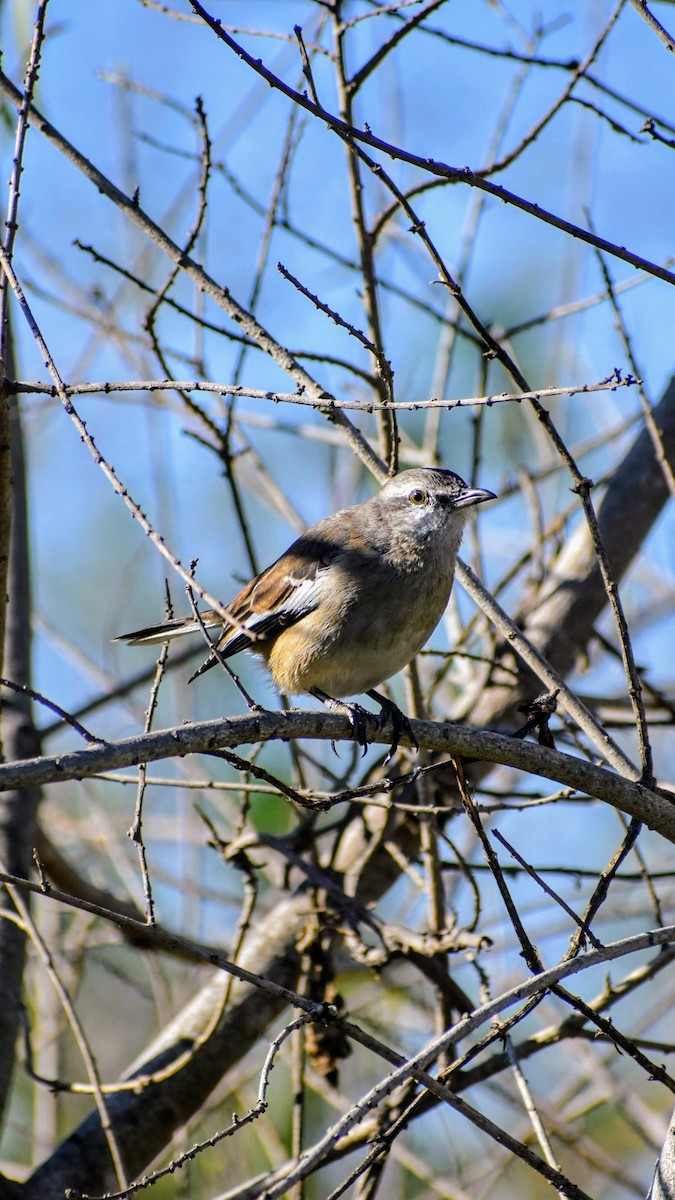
{"x": 211, "y": 736}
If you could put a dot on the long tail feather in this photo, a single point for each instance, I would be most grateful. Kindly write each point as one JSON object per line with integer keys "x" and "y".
{"x": 165, "y": 631}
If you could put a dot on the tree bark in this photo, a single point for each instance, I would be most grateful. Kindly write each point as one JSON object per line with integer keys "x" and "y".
{"x": 17, "y": 808}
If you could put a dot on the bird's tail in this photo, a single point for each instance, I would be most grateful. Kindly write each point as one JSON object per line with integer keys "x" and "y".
{"x": 165, "y": 631}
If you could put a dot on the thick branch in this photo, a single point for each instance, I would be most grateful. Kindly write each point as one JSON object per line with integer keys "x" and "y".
{"x": 574, "y": 595}
{"x": 656, "y": 811}
{"x": 18, "y": 803}
{"x": 663, "y": 1183}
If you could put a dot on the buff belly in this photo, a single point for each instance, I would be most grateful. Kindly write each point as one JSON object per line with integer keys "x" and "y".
{"x": 354, "y": 658}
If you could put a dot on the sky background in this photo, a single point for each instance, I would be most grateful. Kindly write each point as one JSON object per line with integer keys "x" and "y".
{"x": 95, "y": 573}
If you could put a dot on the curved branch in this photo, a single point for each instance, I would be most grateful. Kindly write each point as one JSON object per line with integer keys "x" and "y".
{"x": 208, "y": 737}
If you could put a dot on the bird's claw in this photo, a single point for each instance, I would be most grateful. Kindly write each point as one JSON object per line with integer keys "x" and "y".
{"x": 400, "y": 723}
{"x": 355, "y": 714}
{"x": 358, "y": 719}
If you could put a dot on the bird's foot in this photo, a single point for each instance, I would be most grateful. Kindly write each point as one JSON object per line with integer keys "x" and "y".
{"x": 355, "y": 714}
{"x": 401, "y": 725}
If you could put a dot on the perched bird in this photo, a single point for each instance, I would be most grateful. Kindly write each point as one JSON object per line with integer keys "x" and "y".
{"x": 352, "y": 601}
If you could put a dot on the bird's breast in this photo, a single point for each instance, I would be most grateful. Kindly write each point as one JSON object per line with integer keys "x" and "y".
{"x": 367, "y": 627}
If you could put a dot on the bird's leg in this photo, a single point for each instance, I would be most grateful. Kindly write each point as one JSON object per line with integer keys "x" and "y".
{"x": 401, "y": 724}
{"x": 357, "y": 716}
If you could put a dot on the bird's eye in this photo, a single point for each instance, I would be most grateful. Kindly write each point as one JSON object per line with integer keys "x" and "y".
{"x": 418, "y": 496}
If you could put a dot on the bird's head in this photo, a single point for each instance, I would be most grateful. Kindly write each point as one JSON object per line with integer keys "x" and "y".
{"x": 429, "y": 502}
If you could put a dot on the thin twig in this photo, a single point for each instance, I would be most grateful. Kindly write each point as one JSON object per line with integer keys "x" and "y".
{"x": 585, "y": 931}
{"x": 662, "y": 33}
{"x": 530, "y": 1107}
{"x": 610, "y": 383}
{"x": 222, "y": 297}
{"x": 24, "y": 690}
{"x": 77, "y": 1030}
{"x": 431, "y": 165}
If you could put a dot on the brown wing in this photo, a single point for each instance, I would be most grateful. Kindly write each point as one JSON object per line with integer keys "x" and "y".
{"x": 280, "y": 596}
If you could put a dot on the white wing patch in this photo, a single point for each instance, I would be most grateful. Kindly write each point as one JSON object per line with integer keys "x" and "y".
{"x": 303, "y": 597}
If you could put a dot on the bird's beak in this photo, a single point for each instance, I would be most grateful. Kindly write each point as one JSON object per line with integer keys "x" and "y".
{"x": 473, "y": 496}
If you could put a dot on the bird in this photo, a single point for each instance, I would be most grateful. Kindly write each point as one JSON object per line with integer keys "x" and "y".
{"x": 352, "y": 601}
